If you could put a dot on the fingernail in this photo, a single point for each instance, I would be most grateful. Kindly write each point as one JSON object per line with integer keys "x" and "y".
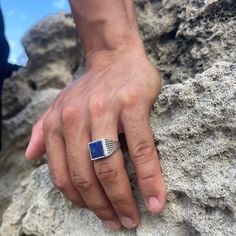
{"x": 127, "y": 222}
{"x": 112, "y": 224}
{"x": 153, "y": 205}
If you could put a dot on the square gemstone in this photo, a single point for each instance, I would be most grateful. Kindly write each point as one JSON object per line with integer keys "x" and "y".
{"x": 96, "y": 150}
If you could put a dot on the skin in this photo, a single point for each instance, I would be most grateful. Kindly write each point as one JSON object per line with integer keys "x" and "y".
{"x": 113, "y": 96}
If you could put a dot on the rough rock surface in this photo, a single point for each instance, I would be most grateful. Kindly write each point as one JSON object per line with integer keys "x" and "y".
{"x": 18, "y": 128}
{"x": 13, "y": 166}
{"x": 194, "y": 125}
{"x": 56, "y": 38}
{"x": 185, "y": 37}
{"x": 193, "y": 122}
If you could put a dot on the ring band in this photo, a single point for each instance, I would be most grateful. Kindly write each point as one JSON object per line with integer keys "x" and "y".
{"x": 102, "y": 148}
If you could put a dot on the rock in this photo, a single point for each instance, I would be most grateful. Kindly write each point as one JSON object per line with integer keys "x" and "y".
{"x": 56, "y": 38}
{"x": 186, "y": 37}
{"x": 14, "y": 168}
{"x": 50, "y": 216}
{"x": 54, "y": 54}
{"x": 16, "y": 95}
{"x": 17, "y": 130}
{"x": 194, "y": 125}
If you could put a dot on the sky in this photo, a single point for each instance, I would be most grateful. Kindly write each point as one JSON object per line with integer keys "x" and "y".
{"x": 20, "y": 16}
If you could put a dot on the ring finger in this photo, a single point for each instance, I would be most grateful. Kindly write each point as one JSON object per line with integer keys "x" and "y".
{"x": 112, "y": 174}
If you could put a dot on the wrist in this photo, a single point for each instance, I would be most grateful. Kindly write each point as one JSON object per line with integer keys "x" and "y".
{"x": 122, "y": 47}
{"x": 107, "y": 28}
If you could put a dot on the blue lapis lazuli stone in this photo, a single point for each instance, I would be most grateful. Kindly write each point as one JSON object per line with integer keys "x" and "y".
{"x": 96, "y": 150}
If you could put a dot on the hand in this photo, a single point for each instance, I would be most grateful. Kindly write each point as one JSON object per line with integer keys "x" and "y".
{"x": 113, "y": 96}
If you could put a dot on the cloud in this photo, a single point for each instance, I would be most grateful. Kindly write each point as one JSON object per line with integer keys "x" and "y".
{"x": 59, "y": 4}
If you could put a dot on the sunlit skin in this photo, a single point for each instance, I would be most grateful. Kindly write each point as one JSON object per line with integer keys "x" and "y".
{"x": 113, "y": 96}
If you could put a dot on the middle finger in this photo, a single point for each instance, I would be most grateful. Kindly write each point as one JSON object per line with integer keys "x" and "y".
{"x": 112, "y": 174}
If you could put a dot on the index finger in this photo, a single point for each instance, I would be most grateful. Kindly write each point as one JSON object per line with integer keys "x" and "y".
{"x": 36, "y": 147}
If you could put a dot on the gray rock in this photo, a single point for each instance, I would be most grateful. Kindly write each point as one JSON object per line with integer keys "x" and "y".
{"x": 49, "y": 213}
{"x": 194, "y": 125}
{"x": 17, "y": 94}
{"x": 54, "y": 53}
{"x": 186, "y": 37}
{"x": 17, "y": 130}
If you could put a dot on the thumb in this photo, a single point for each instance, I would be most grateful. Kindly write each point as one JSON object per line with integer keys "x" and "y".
{"x": 36, "y": 147}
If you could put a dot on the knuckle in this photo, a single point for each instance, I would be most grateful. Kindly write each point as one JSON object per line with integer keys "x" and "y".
{"x": 120, "y": 202}
{"x": 50, "y": 128}
{"x": 69, "y": 114}
{"x": 101, "y": 211}
{"x": 82, "y": 183}
{"x": 130, "y": 97}
{"x": 147, "y": 179}
{"x": 98, "y": 104}
{"x": 59, "y": 182}
{"x": 105, "y": 172}
{"x": 47, "y": 123}
{"x": 142, "y": 152}
{"x": 76, "y": 200}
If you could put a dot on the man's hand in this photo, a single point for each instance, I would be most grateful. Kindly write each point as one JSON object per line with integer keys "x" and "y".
{"x": 113, "y": 96}
{"x": 103, "y": 103}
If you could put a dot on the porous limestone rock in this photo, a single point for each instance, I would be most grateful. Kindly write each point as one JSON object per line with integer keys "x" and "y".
{"x": 194, "y": 126}
{"x": 186, "y": 37}
{"x": 16, "y": 96}
{"x": 17, "y": 130}
{"x": 54, "y": 40}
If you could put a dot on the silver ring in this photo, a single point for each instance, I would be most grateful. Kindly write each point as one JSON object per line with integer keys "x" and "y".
{"x": 102, "y": 148}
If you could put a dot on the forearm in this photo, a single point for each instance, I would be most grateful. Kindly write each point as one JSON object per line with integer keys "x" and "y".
{"x": 107, "y": 25}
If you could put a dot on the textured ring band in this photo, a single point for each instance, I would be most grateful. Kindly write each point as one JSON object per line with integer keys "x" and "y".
{"x": 102, "y": 148}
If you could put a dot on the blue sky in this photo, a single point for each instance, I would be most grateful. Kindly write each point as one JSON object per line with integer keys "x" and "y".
{"x": 21, "y": 15}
